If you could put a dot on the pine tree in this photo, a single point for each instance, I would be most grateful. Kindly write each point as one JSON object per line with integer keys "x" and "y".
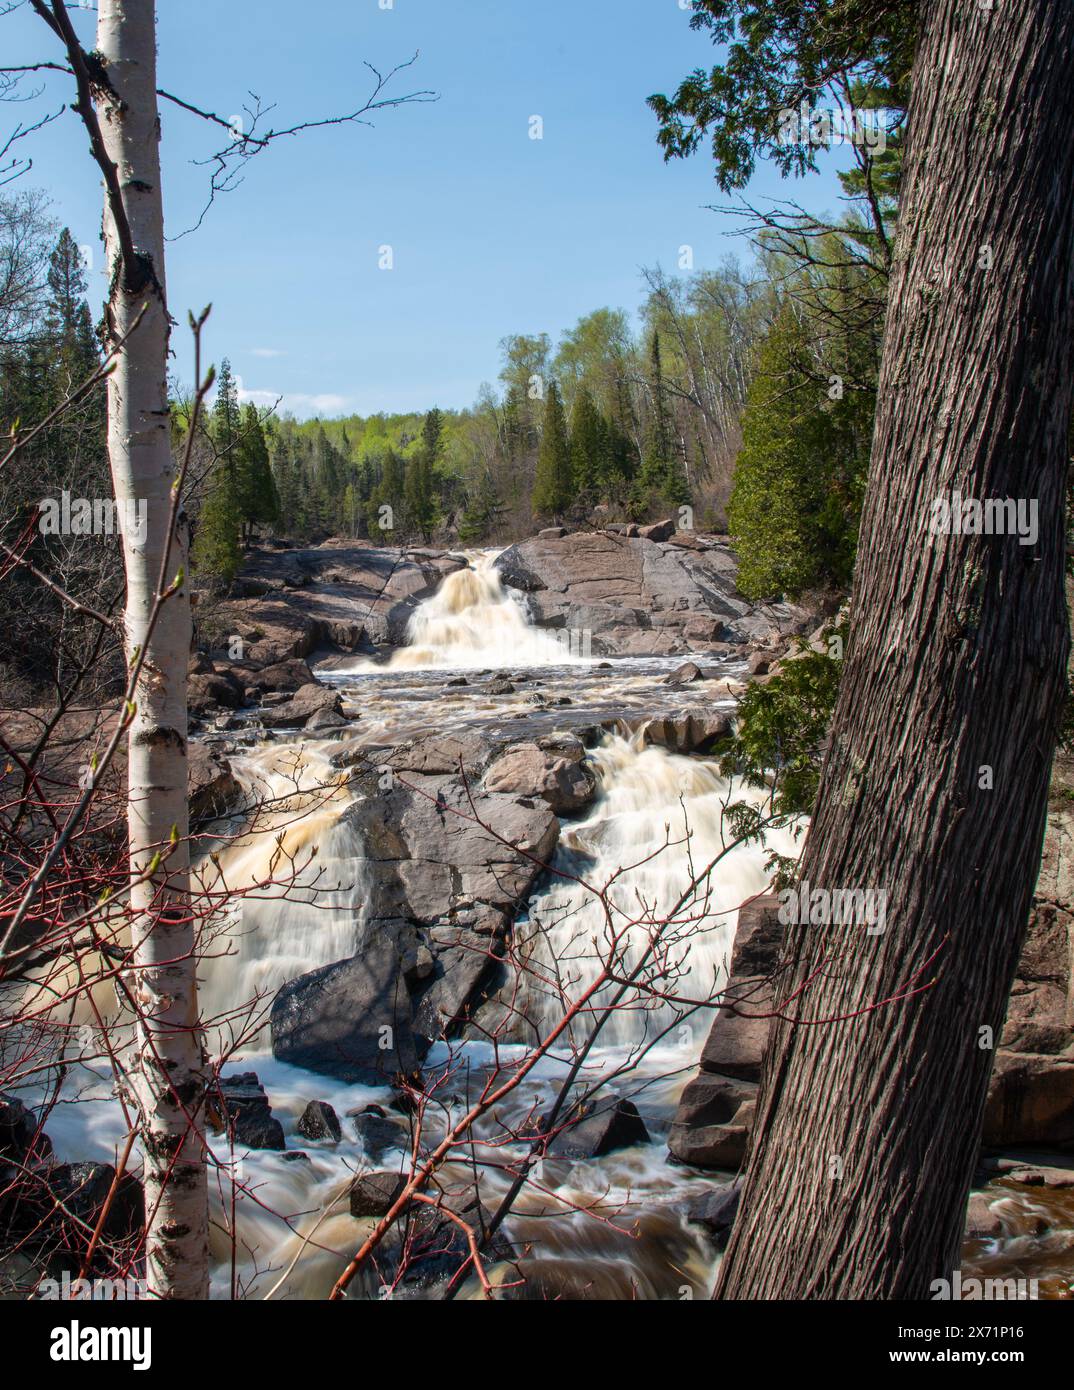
{"x": 662, "y": 477}
{"x": 800, "y": 473}
{"x": 217, "y": 551}
{"x": 553, "y": 489}
{"x": 257, "y": 500}
{"x": 420, "y": 503}
{"x": 590, "y": 448}
{"x": 484, "y": 509}
{"x": 69, "y": 320}
{"x": 388, "y": 498}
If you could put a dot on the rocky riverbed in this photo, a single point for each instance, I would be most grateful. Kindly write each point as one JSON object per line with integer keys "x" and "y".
{"x": 453, "y": 740}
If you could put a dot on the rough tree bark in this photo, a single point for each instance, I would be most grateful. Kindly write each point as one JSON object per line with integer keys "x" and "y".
{"x": 868, "y": 1128}
{"x": 167, "y": 1074}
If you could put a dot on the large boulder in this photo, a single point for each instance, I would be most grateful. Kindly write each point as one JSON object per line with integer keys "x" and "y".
{"x": 247, "y": 1113}
{"x": 352, "y": 1020}
{"x": 429, "y": 854}
{"x": 552, "y": 768}
{"x": 212, "y": 786}
{"x": 605, "y": 1124}
{"x": 712, "y": 1124}
{"x": 306, "y": 708}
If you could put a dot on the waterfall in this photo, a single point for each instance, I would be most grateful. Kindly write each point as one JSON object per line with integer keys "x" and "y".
{"x": 649, "y": 798}
{"x": 473, "y": 622}
{"x": 308, "y": 912}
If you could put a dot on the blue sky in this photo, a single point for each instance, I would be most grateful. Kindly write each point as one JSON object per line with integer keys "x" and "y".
{"x": 492, "y": 232}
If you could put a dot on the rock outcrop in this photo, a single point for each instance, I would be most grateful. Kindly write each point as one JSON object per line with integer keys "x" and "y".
{"x": 643, "y": 595}
{"x": 345, "y": 594}
{"x": 446, "y": 864}
{"x": 1031, "y": 1098}
{"x": 712, "y": 1124}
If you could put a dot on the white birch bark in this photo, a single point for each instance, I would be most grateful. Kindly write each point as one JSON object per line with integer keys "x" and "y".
{"x": 167, "y": 1064}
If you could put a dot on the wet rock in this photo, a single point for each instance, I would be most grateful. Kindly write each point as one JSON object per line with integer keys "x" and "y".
{"x": 282, "y": 675}
{"x": 500, "y": 687}
{"x": 1041, "y": 1175}
{"x": 982, "y": 1223}
{"x": 248, "y": 1112}
{"x": 550, "y": 769}
{"x": 213, "y": 788}
{"x": 458, "y": 680}
{"x": 607, "y": 1123}
{"x": 20, "y": 1142}
{"x": 685, "y": 675}
{"x": 83, "y": 1190}
{"x": 219, "y": 689}
{"x": 462, "y": 961}
{"x": 307, "y": 703}
{"x": 692, "y": 731}
{"x": 435, "y": 1244}
{"x": 320, "y": 1121}
{"x": 465, "y": 753}
{"x": 351, "y": 1020}
{"x": 377, "y": 1134}
{"x": 427, "y": 854}
{"x": 374, "y": 1194}
{"x": 716, "y": 1212}
{"x": 712, "y": 1122}
{"x": 716, "y": 1109}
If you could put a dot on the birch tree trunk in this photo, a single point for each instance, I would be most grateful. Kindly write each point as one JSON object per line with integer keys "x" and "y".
{"x": 167, "y": 1070}
{"x": 934, "y": 788}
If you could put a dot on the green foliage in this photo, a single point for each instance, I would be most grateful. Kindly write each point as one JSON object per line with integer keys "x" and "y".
{"x": 420, "y": 503}
{"x": 661, "y": 477}
{"x": 216, "y": 552}
{"x": 257, "y": 499}
{"x": 777, "y": 54}
{"x": 781, "y": 726}
{"x": 590, "y": 447}
{"x": 553, "y": 485}
{"x": 800, "y": 475}
{"x": 483, "y": 513}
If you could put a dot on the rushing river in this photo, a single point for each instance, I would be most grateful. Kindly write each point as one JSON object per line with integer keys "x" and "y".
{"x": 612, "y": 1227}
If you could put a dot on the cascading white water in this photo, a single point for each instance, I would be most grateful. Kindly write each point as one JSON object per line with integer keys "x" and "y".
{"x": 297, "y": 877}
{"x": 473, "y": 622}
{"x": 650, "y": 838}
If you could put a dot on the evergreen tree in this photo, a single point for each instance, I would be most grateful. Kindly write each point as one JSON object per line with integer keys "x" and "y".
{"x": 217, "y": 550}
{"x": 800, "y": 473}
{"x": 553, "y": 489}
{"x": 662, "y": 477}
{"x": 70, "y": 323}
{"x": 590, "y": 448}
{"x": 257, "y": 500}
{"x": 420, "y": 503}
{"x": 484, "y": 510}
